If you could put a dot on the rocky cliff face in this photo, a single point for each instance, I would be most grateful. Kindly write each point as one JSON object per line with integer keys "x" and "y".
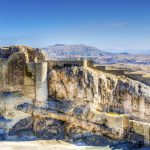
{"x": 98, "y": 91}
{"x": 81, "y": 103}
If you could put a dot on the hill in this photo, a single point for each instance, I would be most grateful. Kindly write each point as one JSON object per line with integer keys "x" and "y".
{"x": 60, "y": 50}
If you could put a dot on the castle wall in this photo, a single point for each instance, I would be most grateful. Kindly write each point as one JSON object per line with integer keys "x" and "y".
{"x": 62, "y": 63}
{"x": 115, "y": 72}
{"x": 103, "y": 68}
{"x": 118, "y": 72}
{"x": 106, "y": 69}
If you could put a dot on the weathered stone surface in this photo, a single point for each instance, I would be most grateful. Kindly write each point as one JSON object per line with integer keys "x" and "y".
{"x": 25, "y": 107}
{"x": 32, "y": 54}
{"x": 100, "y": 91}
{"x": 18, "y": 69}
{"x": 41, "y": 82}
{"x": 49, "y": 128}
{"x": 23, "y": 124}
{"x": 83, "y": 103}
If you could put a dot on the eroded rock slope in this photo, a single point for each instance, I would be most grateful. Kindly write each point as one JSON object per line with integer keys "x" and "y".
{"x": 81, "y": 102}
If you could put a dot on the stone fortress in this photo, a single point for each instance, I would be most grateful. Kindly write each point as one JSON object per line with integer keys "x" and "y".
{"x": 58, "y": 99}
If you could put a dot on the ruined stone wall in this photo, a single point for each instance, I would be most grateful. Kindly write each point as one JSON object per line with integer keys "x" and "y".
{"x": 77, "y": 99}
{"x": 62, "y": 63}
{"x": 22, "y": 78}
{"x": 18, "y": 70}
{"x": 105, "y": 69}
{"x": 118, "y": 72}
{"x": 103, "y": 92}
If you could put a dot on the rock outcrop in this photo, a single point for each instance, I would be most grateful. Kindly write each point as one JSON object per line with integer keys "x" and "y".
{"x": 93, "y": 91}
{"x": 70, "y": 101}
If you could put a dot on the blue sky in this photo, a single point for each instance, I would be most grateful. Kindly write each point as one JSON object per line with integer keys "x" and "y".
{"x": 106, "y": 24}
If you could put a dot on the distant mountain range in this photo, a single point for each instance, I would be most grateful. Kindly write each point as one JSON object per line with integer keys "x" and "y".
{"x": 139, "y": 51}
{"x": 99, "y": 56}
{"x": 61, "y": 50}
{"x": 131, "y": 51}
